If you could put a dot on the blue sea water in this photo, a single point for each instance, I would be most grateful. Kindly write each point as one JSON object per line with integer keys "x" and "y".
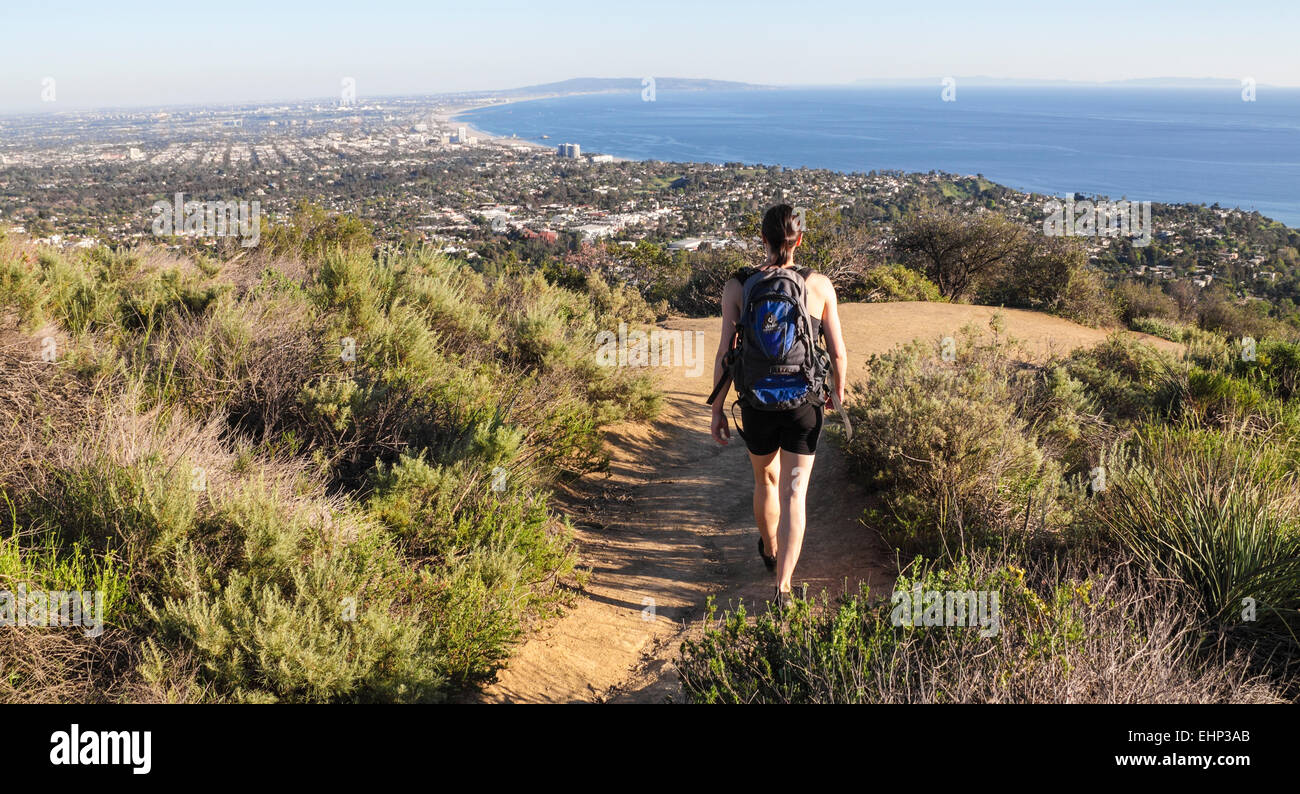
{"x": 1200, "y": 145}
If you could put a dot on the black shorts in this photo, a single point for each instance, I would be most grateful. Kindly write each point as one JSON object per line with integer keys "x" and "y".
{"x": 794, "y": 431}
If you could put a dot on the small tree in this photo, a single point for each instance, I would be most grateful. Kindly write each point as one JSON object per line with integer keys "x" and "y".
{"x": 1136, "y": 299}
{"x": 954, "y": 250}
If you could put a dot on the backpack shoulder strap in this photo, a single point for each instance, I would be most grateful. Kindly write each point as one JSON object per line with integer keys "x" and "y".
{"x": 805, "y": 273}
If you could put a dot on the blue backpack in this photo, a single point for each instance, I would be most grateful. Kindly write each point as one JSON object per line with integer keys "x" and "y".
{"x": 774, "y": 361}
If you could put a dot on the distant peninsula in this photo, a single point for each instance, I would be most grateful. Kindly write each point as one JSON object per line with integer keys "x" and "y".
{"x": 585, "y": 85}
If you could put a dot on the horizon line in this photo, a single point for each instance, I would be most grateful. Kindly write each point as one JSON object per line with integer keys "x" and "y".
{"x": 37, "y": 109}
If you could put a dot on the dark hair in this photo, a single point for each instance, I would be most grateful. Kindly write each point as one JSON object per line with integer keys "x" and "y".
{"x": 781, "y": 227}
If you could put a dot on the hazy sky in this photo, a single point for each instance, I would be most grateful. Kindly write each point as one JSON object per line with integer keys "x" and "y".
{"x": 143, "y": 53}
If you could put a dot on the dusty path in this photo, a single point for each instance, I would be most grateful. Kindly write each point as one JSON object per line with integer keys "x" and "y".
{"x": 673, "y": 523}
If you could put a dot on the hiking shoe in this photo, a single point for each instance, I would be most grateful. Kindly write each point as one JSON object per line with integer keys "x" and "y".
{"x": 770, "y": 562}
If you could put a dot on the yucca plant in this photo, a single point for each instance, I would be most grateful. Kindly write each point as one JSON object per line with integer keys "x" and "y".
{"x": 1218, "y": 512}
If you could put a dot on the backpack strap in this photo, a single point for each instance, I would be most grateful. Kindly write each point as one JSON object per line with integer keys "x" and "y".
{"x": 813, "y": 349}
{"x": 740, "y": 431}
{"x": 726, "y": 379}
{"x": 804, "y": 273}
{"x": 743, "y": 274}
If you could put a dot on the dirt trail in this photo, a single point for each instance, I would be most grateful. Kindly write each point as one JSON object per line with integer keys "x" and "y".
{"x": 673, "y": 523}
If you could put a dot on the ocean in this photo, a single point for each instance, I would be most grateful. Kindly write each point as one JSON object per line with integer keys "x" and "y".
{"x": 1198, "y": 145}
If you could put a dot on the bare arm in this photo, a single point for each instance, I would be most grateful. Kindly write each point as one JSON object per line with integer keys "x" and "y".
{"x": 835, "y": 340}
{"x": 730, "y": 316}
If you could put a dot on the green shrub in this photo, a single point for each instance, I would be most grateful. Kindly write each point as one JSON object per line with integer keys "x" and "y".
{"x": 413, "y": 579}
{"x": 278, "y": 604}
{"x": 138, "y": 510}
{"x": 311, "y": 232}
{"x": 1205, "y": 348}
{"x": 896, "y": 283}
{"x": 1278, "y": 365}
{"x": 1102, "y": 638}
{"x": 445, "y": 511}
{"x": 1159, "y": 326}
{"x": 1219, "y": 310}
{"x": 1138, "y": 300}
{"x": 1216, "y": 394}
{"x": 1126, "y": 378}
{"x": 1085, "y": 300}
{"x": 949, "y": 445}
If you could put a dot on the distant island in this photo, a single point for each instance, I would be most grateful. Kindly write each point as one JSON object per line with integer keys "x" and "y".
{"x": 1040, "y": 82}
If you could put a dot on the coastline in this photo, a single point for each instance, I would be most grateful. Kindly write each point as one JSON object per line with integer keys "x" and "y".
{"x": 1284, "y": 215}
{"x": 453, "y": 118}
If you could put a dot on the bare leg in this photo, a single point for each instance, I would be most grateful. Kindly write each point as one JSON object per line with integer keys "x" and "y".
{"x": 767, "y": 504}
{"x": 795, "y": 471}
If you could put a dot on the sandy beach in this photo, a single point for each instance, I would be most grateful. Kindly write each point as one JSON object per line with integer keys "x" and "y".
{"x": 453, "y": 118}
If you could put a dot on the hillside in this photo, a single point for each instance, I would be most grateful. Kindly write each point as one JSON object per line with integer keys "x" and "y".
{"x": 322, "y": 474}
{"x": 325, "y": 479}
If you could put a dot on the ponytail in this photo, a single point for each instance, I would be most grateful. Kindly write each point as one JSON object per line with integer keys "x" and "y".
{"x": 781, "y": 227}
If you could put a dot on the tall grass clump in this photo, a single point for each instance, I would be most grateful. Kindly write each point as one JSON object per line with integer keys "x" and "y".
{"x": 1218, "y": 513}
